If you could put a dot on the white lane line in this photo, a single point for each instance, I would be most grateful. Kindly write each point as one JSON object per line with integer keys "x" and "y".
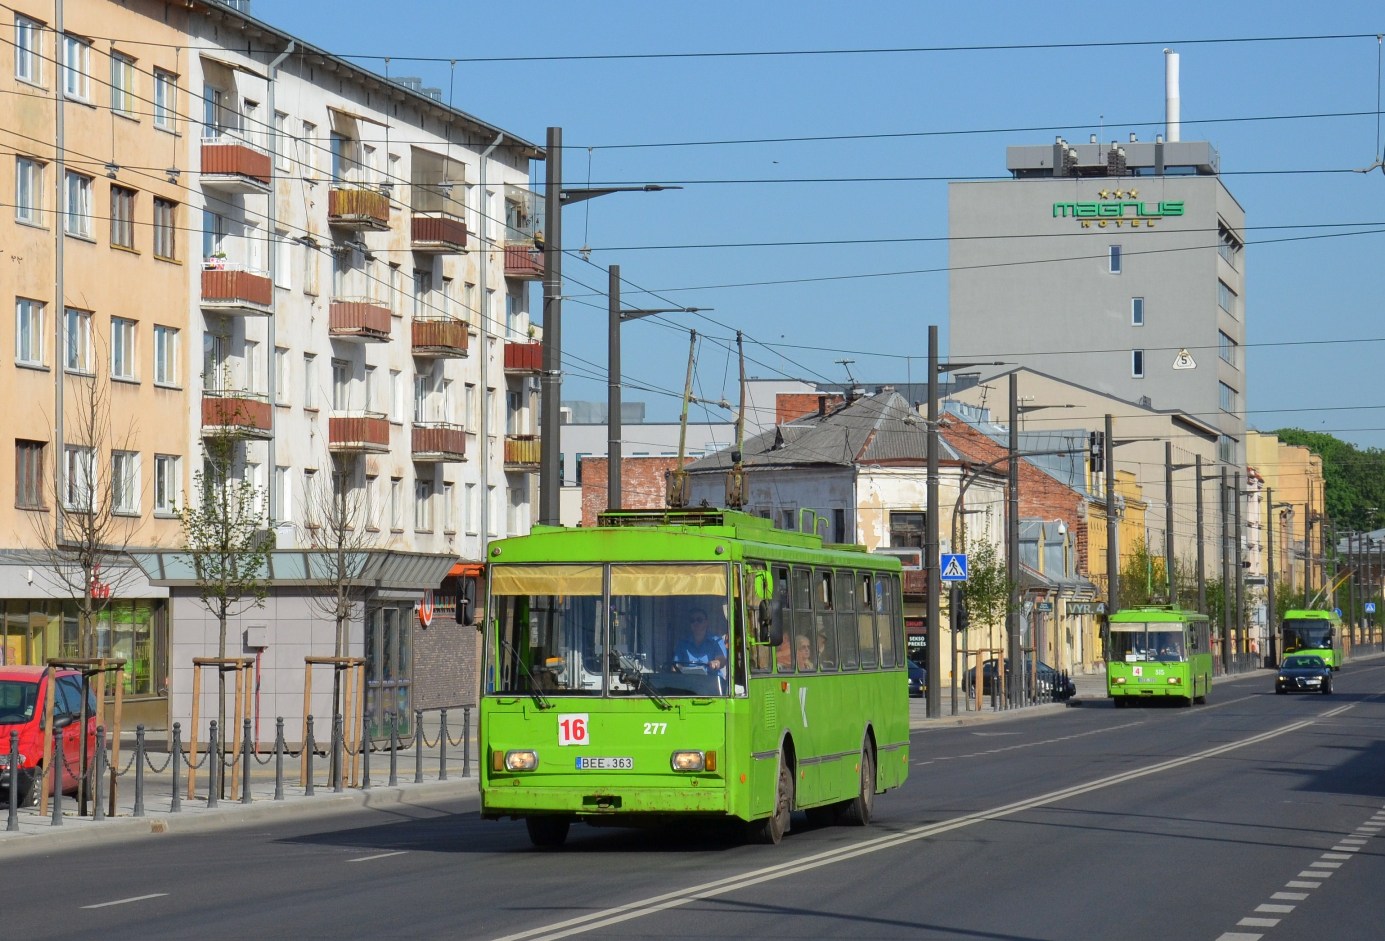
{"x": 1302, "y": 884}
{"x": 136, "y": 898}
{"x": 605, "y": 918}
{"x": 366, "y": 859}
{"x": 1314, "y": 874}
{"x": 1325, "y": 865}
{"x": 1257, "y": 922}
{"x": 1341, "y": 852}
{"x": 1289, "y": 896}
{"x": 1239, "y": 936}
{"x": 1353, "y": 841}
{"x": 1275, "y": 909}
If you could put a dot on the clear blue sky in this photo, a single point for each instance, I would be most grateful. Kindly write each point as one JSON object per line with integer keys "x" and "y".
{"x": 1286, "y": 116}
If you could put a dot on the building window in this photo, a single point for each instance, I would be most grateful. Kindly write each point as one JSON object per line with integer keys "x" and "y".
{"x": 1137, "y": 311}
{"x": 165, "y": 483}
{"x": 28, "y": 190}
{"x": 396, "y": 392}
{"x": 1113, "y": 259}
{"x": 165, "y": 229}
{"x": 1226, "y": 397}
{"x": 281, "y": 376}
{"x": 122, "y": 84}
{"x": 420, "y": 398}
{"x": 1226, "y": 298}
{"x": 906, "y": 530}
{"x": 1228, "y": 245}
{"x": 122, "y": 348}
{"x": 423, "y": 506}
{"x": 77, "y": 205}
{"x": 125, "y": 482}
{"x": 79, "y": 477}
{"x": 449, "y": 513}
{"x": 396, "y": 504}
{"x": 28, "y": 57}
{"x": 78, "y": 339}
{"x": 28, "y": 474}
{"x": 165, "y": 355}
{"x": 341, "y": 385}
{"x": 1226, "y": 349}
{"x": 1226, "y": 450}
{"x": 122, "y": 217}
{"x": 76, "y": 68}
{"x": 307, "y": 150}
{"x": 309, "y": 381}
{"x": 1137, "y": 364}
{"x": 281, "y": 141}
{"x": 423, "y": 283}
{"x": 28, "y": 331}
{"x": 165, "y": 99}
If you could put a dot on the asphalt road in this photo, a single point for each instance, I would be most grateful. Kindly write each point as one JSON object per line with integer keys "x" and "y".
{"x": 1256, "y": 816}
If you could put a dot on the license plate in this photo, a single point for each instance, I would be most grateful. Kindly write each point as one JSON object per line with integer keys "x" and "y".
{"x": 605, "y": 764}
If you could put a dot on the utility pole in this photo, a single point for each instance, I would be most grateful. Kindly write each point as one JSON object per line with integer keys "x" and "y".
{"x": 1112, "y": 542}
{"x": 1271, "y": 615}
{"x": 1239, "y": 536}
{"x": 1012, "y": 552}
{"x": 1201, "y": 556}
{"x": 550, "y": 379}
{"x": 932, "y": 629}
{"x": 1225, "y": 579}
{"x": 1168, "y": 523}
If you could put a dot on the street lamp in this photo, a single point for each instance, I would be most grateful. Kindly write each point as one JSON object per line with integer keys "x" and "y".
{"x": 613, "y": 418}
{"x": 1271, "y": 613}
{"x": 551, "y": 380}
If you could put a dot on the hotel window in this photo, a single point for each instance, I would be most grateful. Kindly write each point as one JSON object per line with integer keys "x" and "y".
{"x": 1226, "y": 349}
{"x": 122, "y": 348}
{"x": 1226, "y": 449}
{"x": 125, "y": 482}
{"x": 1228, "y": 246}
{"x": 1113, "y": 259}
{"x": 28, "y": 331}
{"x": 1226, "y": 397}
{"x": 165, "y": 355}
{"x": 122, "y": 84}
{"x": 122, "y": 217}
{"x": 77, "y": 205}
{"x": 76, "y": 68}
{"x": 28, "y": 190}
{"x": 165, "y": 483}
{"x": 165, "y": 229}
{"x": 165, "y": 99}
{"x": 78, "y": 340}
{"x": 28, "y": 57}
{"x": 28, "y": 479}
{"x": 423, "y": 506}
{"x": 1137, "y": 312}
{"x": 1137, "y": 364}
{"x": 79, "y": 477}
{"x": 1226, "y": 298}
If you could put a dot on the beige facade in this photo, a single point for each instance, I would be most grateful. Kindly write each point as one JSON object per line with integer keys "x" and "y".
{"x": 1293, "y": 478}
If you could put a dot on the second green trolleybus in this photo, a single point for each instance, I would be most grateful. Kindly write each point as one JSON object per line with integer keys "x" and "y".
{"x": 1312, "y": 631}
{"x": 691, "y": 663}
{"x": 1158, "y": 652}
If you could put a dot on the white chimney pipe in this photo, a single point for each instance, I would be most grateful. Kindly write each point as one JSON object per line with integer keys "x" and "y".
{"x": 1172, "y": 118}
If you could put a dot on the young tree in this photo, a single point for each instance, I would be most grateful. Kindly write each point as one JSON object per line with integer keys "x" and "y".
{"x": 988, "y": 587}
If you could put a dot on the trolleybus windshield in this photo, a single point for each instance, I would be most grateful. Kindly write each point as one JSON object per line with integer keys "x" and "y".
{"x": 1133, "y": 642}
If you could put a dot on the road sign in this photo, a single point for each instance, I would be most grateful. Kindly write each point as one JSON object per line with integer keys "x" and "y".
{"x": 1337, "y": 611}
{"x": 953, "y": 566}
{"x": 1184, "y": 360}
{"x": 1370, "y": 607}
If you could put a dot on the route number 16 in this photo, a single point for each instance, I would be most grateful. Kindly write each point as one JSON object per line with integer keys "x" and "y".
{"x": 572, "y": 729}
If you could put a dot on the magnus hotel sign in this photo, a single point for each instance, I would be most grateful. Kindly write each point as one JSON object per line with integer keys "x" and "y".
{"x": 1118, "y": 209}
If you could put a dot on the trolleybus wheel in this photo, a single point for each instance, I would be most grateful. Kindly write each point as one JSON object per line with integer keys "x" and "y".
{"x": 772, "y": 828}
{"x": 547, "y": 832}
{"x": 857, "y": 811}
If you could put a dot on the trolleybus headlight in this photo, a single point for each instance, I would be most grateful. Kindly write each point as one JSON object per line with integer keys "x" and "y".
{"x": 1120, "y": 681}
{"x": 688, "y": 761}
{"x": 1175, "y": 680}
{"x": 521, "y": 759}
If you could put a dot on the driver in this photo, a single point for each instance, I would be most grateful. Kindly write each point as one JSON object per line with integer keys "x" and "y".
{"x": 699, "y": 647}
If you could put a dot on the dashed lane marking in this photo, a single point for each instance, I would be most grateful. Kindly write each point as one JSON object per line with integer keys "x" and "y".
{"x": 136, "y": 898}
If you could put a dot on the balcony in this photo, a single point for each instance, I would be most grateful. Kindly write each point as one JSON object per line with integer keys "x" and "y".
{"x": 437, "y": 234}
{"x": 358, "y": 208}
{"x": 359, "y": 319}
{"x": 236, "y": 290}
{"x": 440, "y": 337}
{"x": 230, "y": 165}
{"x": 365, "y": 433}
{"x": 228, "y": 414}
{"x": 523, "y": 261}
{"x": 438, "y": 441}
{"x": 524, "y": 357}
{"x": 521, "y": 452}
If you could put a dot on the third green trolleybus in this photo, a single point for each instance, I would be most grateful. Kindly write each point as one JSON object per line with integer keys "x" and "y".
{"x": 689, "y": 664}
{"x": 1158, "y": 652}
{"x": 1312, "y": 631}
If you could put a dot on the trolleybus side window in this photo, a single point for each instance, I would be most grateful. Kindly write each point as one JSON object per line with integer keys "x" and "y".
{"x": 890, "y": 643}
{"x": 804, "y": 626}
{"x": 843, "y": 648}
{"x": 865, "y": 633}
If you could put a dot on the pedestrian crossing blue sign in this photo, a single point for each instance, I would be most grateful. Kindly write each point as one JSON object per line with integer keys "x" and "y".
{"x": 953, "y": 566}
{"x": 1370, "y": 607}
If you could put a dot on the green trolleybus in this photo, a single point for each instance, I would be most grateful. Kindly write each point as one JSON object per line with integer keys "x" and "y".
{"x": 690, "y": 663}
{"x": 1314, "y": 632}
{"x": 1158, "y": 651}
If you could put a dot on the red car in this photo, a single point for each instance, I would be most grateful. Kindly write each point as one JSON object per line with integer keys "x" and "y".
{"x": 23, "y": 704}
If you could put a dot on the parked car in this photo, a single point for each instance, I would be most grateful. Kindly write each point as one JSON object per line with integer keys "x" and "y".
{"x": 23, "y": 706}
{"x": 1052, "y": 684}
{"x": 1303, "y": 673}
{"x": 918, "y": 679}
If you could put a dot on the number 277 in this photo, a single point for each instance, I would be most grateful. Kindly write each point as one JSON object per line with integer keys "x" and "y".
{"x": 655, "y": 728}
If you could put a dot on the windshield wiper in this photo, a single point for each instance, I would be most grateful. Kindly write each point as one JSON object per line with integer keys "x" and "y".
{"x": 539, "y": 697}
{"x": 630, "y": 673}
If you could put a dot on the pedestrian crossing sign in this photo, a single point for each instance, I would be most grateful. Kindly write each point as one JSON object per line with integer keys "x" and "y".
{"x": 953, "y": 566}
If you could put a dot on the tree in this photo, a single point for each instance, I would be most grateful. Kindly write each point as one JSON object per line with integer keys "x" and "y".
{"x": 988, "y": 588}
{"x": 1143, "y": 578}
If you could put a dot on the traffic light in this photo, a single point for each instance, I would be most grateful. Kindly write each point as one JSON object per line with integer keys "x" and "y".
{"x": 1096, "y": 444}
{"x": 963, "y": 616}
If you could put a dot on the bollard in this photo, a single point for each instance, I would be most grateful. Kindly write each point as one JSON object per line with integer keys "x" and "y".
{"x": 279, "y": 758}
{"x": 394, "y": 750}
{"x": 57, "y": 770}
{"x": 418, "y": 746}
{"x": 213, "y": 759}
{"x": 308, "y": 747}
{"x": 367, "y": 746}
{"x": 442, "y": 745}
{"x": 338, "y": 747}
{"x": 97, "y": 811}
{"x": 139, "y": 770}
{"x": 245, "y": 765}
{"x": 12, "y": 773}
{"x": 174, "y": 757}
{"x": 466, "y": 741}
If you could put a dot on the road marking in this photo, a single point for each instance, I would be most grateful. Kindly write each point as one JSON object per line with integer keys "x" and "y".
{"x": 1257, "y": 922}
{"x": 137, "y": 898}
{"x": 1239, "y": 936}
{"x": 1275, "y": 909}
{"x": 366, "y": 859}
{"x": 1289, "y": 896}
{"x": 1302, "y": 884}
{"x": 659, "y": 903}
{"x": 1005, "y": 748}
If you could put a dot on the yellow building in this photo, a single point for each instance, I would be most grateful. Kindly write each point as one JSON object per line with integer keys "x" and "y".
{"x": 1293, "y": 476}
